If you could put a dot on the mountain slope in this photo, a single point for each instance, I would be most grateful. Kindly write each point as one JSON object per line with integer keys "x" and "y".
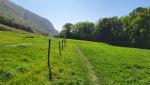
{"x": 18, "y": 14}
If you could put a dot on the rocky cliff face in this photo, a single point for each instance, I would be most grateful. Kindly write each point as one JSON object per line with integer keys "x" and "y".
{"x": 18, "y": 14}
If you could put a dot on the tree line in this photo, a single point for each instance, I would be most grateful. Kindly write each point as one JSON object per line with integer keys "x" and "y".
{"x": 13, "y": 23}
{"x": 132, "y": 30}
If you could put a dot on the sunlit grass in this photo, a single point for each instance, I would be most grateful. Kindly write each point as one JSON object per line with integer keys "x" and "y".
{"x": 118, "y": 65}
{"x": 28, "y": 64}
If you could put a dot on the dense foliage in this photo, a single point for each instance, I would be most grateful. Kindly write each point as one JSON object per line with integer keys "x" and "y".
{"x": 132, "y": 30}
{"x": 11, "y": 23}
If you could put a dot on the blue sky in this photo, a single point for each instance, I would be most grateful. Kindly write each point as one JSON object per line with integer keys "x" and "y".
{"x": 60, "y": 12}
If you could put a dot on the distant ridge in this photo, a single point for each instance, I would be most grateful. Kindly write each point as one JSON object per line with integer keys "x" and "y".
{"x": 37, "y": 23}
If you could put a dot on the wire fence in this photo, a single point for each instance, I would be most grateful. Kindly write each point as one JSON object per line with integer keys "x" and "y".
{"x": 61, "y": 44}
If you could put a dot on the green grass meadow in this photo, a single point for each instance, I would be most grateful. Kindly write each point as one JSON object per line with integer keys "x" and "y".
{"x": 118, "y": 65}
{"x": 27, "y": 64}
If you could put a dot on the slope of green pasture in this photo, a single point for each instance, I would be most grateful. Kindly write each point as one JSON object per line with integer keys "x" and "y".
{"x": 27, "y": 64}
{"x": 7, "y": 28}
{"x": 117, "y": 65}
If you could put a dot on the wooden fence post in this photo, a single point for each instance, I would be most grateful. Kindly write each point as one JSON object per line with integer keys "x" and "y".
{"x": 49, "y": 66}
{"x": 59, "y": 48}
{"x": 62, "y": 45}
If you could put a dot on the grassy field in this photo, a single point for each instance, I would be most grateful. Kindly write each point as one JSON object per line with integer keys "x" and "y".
{"x": 27, "y": 64}
{"x": 118, "y": 65}
{"x": 23, "y": 61}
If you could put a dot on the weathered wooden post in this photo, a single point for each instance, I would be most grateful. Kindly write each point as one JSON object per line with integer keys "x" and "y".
{"x": 59, "y": 48}
{"x": 49, "y": 66}
{"x": 62, "y": 45}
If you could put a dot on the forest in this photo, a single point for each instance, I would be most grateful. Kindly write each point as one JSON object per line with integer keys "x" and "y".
{"x": 132, "y": 30}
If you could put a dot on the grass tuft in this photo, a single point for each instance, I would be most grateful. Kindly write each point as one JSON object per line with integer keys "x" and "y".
{"x": 6, "y": 75}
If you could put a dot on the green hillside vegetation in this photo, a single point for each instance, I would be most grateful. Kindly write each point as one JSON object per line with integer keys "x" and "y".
{"x": 14, "y": 24}
{"x": 7, "y": 28}
{"x": 23, "y": 60}
{"x": 132, "y": 30}
{"x": 26, "y": 63}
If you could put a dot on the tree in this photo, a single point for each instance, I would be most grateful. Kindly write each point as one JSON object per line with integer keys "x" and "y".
{"x": 84, "y": 30}
{"x": 139, "y": 27}
{"x": 68, "y": 30}
{"x": 108, "y": 30}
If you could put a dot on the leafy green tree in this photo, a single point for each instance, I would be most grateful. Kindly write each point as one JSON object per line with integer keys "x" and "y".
{"x": 139, "y": 27}
{"x": 68, "y": 30}
{"x": 84, "y": 30}
{"x": 108, "y": 30}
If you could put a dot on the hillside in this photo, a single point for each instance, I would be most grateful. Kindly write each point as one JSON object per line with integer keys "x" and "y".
{"x": 23, "y": 60}
{"x": 7, "y": 28}
{"x": 20, "y": 15}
